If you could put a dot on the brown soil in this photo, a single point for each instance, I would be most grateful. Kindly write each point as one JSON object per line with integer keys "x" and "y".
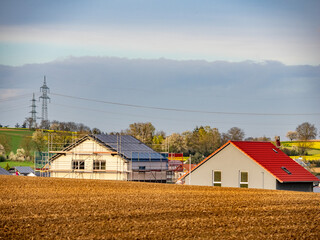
{"x": 37, "y": 208}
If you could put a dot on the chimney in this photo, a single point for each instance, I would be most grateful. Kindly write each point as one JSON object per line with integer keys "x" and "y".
{"x": 278, "y": 144}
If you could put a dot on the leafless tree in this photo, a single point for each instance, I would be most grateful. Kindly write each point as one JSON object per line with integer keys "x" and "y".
{"x": 306, "y": 131}
{"x": 292, "y": 135}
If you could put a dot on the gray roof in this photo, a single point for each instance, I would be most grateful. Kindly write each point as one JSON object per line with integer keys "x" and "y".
{"x": 24, "y": 170}
{"x": 129, "y": 147}
{"x": 4, "y": 172}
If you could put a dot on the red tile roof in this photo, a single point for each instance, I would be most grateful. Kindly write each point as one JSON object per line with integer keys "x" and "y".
{"x": 270, "y": 158}
{"x": 274, "y": 160}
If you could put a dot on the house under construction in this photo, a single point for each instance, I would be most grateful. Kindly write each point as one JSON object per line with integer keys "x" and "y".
{"x": 109, "y": 157}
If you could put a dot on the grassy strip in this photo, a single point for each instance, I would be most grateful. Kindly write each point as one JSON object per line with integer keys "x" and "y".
{"x": 17, "y": 164}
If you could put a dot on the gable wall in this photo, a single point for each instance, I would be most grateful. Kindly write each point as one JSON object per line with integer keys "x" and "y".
{"x": 62, "y": 166}
{"x": 230, "y": 161}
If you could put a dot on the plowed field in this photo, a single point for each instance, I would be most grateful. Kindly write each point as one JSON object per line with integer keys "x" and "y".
{"x": 44, "y": 208}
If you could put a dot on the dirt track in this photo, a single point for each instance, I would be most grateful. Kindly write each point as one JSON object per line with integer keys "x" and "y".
{"x": 90, "y": 209}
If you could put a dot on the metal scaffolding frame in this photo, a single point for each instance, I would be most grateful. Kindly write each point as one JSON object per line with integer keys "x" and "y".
{"x": 68, "y": 145}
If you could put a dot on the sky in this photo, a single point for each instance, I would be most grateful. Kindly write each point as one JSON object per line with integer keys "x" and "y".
{"x": 230, "y": 60}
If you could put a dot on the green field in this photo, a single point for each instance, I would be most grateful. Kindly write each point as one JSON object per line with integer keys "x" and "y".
{"x": 313, "y": 151}
{"x": 17, "y": 164}
{"x": 16, "y": 136}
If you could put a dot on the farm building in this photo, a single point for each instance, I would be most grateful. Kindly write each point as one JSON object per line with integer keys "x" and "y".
{"x": 110, "y": 157}
{"x": 250, "y": 165}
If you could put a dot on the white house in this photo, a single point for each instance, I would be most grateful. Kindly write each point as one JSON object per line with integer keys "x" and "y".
{"x": 250, "y": 165}
{"x": 110, "y": 157}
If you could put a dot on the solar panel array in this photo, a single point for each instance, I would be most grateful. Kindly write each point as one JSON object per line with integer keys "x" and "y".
{"x": 4, "y": 172}
{"x": 24, "y": 170}
{"x": 130, "y": 147}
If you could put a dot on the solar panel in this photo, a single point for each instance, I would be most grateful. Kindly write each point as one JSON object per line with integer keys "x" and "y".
{"x": 24, "y": 170}
{"x": 4, "y": 172}
{"x": 130, "y": 147}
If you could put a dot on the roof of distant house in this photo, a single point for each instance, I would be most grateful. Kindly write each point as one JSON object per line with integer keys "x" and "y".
{"x": 24, "y": 170}
{"x": 130, "y": 147}
{"x": 272, "y": 159}
{"x": 124, "y": 145}
{"x": 4, "y": 172}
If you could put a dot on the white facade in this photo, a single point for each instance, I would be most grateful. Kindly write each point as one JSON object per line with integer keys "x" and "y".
{"x": 90, "y": 160}
{"x": 231, "y": 162}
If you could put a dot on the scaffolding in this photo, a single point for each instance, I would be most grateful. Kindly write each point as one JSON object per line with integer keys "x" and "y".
{"x": 91, "y": 161}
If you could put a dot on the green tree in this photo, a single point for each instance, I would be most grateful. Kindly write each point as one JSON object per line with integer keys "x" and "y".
{"x": 39, "y": 140}
{"x": 175, "y": 142}
{"x": 28, "y": 145}
{"x": 5, "y": 142}
{"x": 142, "y": 131}
{"x": 7, "y": 167}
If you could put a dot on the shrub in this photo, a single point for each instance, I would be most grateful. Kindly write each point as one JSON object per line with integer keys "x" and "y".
{"x": 7, "y": 167}
{"x": 12, "y": 156}
{"x": 290, "y": 152}
{"x": 2, "y": 158}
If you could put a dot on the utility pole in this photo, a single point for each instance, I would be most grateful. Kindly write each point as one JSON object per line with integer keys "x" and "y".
{"x": 44, "y": 89}
{"x": 33, "y": 113}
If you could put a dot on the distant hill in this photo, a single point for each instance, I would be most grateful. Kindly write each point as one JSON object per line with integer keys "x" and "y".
{"x": 16, "y": 136}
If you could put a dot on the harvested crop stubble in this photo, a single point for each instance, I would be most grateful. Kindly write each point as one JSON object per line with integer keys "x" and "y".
{"x": 92, "y": 209}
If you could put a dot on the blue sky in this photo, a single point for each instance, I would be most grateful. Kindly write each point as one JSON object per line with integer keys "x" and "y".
{"x": 229, "y": 56}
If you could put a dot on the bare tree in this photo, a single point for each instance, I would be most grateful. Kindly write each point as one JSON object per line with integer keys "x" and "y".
{"x": 292, "y": 135}
{"x": 96, "y": 131}
{"x": 306, "y": 131}
{"x": 234, "y": 134}
{"x": 28, "y": 122}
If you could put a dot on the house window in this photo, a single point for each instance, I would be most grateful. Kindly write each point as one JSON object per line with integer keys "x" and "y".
{"x": 217, "y": 178}
{"x": 244, "y": 180}
{"x": 78, "y": 165}
{"x": 142, "y": 167}
{"x": 99, "y": 165}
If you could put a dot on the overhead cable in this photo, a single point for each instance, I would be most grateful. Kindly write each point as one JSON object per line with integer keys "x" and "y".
{"x": 186, "y": 110}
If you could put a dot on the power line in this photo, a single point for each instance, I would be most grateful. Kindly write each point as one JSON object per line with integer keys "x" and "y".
{"x": 187, "y": 110}
{"x": 173, "y": 119}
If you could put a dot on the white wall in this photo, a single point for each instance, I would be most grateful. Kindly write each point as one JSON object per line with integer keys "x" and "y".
{"x": 230, "y": 161}
{"x": 116, "y": 167}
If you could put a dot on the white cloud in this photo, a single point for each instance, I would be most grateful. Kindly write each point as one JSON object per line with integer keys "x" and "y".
{"x": 154, "y": 43}
{"x": 10, "y": 93}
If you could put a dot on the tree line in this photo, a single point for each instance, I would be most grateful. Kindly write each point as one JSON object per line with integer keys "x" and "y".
{"x": 197, "y": 143}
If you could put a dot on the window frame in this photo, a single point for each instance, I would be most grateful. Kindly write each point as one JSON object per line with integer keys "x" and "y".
{"x": 99, "y": 167}
{"x": 243, "y": 184}
{"x": 78, "y": 165}
{"x": 216, "y": 183}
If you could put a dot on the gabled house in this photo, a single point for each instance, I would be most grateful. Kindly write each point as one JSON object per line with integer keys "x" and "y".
{"x": 250, "y": 165}
{"x": 110, "y": 157}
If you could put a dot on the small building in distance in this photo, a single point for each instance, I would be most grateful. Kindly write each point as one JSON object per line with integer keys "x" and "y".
{"x": 250, "y": 165}
{"x": 109, "y": 157}
{"x": 4, "y": 172}
{"x": 23, "y": 171}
